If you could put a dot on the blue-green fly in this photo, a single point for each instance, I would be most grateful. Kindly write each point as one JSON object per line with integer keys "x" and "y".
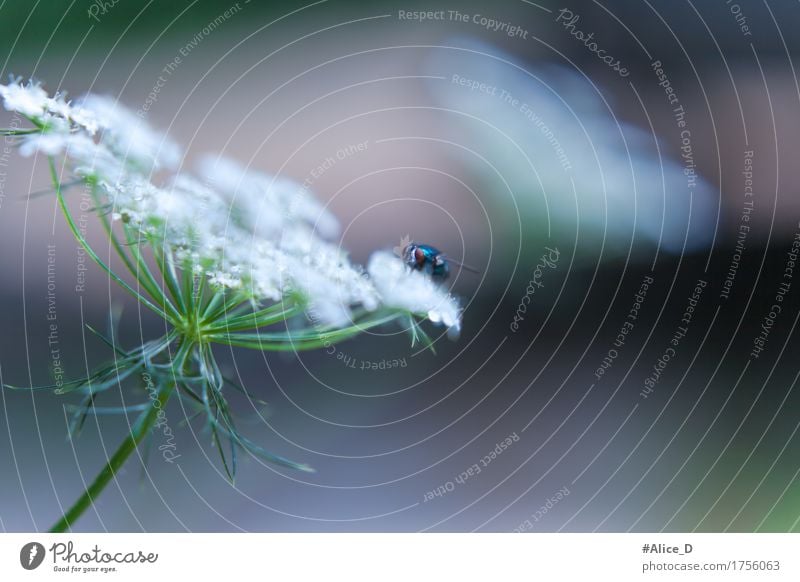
{"x": 430, "y": 260}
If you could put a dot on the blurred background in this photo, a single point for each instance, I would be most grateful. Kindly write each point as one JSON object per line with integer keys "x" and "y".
{"x": 623, "y": 176}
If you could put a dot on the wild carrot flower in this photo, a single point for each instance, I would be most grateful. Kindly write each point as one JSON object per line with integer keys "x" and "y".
{"x": 237, "y": 254}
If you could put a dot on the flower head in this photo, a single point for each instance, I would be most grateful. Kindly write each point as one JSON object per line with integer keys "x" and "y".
{"x": 412, "y": 291}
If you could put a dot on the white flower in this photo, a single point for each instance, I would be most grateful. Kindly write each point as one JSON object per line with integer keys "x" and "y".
{"x": 30, "y": 100}
{"x": 331, "y": 284}
{"x": 412, "y": 291}
{"x": 221, "y": 279}
{"x": 54, "y": 113}
{"x": 90, "y": 159}
{"x": 50, "y": 143}
{"x": 130, "y": 136}
{"x": 267, "y": 202}
{"x": 79, "y": 116}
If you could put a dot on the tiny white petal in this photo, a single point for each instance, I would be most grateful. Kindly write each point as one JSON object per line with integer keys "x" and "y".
{"x": 129, "y": 135}
{"x": 49, "y": 144}
{"x": 30, "y": 100}
{"x": 267, "y": 203}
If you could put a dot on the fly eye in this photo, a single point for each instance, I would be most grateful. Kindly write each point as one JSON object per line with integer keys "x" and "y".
{"x": 419, "y": 256}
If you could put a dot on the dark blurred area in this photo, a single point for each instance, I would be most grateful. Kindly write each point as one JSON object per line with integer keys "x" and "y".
{"x": 624, "y": 368}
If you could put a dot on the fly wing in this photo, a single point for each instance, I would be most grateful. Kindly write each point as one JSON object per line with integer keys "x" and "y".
{"x": 463, "y": 266}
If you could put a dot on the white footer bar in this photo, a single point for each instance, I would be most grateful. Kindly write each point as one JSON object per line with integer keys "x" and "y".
{"x": 389, "y": 557}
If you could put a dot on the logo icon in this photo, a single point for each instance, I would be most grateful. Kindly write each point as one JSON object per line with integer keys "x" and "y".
{"x": 31, "y": 555}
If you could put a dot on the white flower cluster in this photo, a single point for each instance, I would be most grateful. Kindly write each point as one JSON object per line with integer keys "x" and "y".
{"x": 125, "y": 141}
{"x": 34, "y": 103}
{"x": 262, "y": 235}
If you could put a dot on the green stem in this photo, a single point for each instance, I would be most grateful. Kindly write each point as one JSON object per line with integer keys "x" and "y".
{"x": 11, "y": 131}
{"x": 89, "y": 251}
{"x": 222, "y": 306}
{"x": 297, "y": 340}
{"x": 254, "y": 320}
{"x": 140, "y": 271}
{"x": 216, "y": 299}
{"x": 141, "y": 428}
{"x": 199, "y": 293}
{"x": 187, "y": 288}
{"x": 163, "y": 259}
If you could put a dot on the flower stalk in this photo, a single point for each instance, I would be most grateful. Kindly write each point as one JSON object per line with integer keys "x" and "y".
{"x": 140, "y": 429}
